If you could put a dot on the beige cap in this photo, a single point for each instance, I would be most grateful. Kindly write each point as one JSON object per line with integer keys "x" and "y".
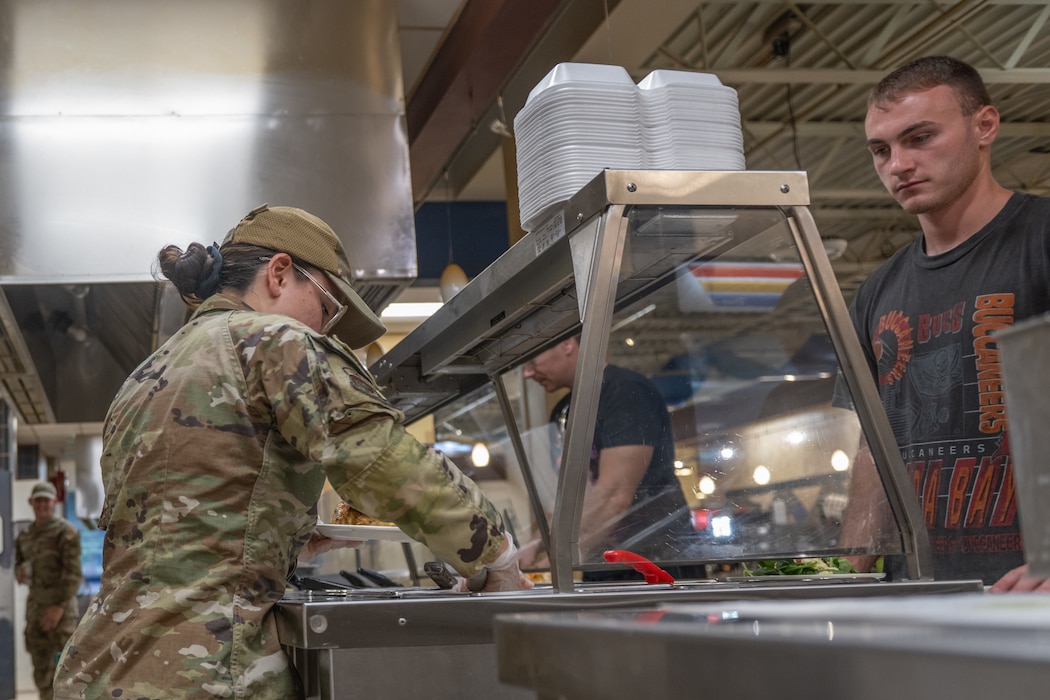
{"x": 43, "y": 489}
{"x": 309, "y": 239}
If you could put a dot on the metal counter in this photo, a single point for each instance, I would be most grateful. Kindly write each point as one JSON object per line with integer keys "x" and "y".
{"x": 407, "y": 642}
{"x": 965, "y": 647}
{"x": 1026, "y": 380}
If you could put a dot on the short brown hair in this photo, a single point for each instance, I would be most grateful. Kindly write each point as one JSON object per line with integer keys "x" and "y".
{"x": 929, "y": 72}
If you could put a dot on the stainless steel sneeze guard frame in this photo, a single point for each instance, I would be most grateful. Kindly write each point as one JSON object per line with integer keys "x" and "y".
{"x": 464, "y": 336}
{"x": 568, "y": 269}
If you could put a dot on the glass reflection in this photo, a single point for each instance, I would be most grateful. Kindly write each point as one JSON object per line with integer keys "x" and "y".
{"x": 721, "y": 432}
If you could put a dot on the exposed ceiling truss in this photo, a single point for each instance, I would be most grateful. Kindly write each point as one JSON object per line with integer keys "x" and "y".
{"x": 802, "y": 72}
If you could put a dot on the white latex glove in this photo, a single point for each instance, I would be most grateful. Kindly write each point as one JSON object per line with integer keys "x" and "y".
{"x": 319, "y": 544}
{"x": 502, "y": 574}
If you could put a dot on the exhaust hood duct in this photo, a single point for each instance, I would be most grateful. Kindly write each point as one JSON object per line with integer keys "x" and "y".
{"x": 126, "y": 125}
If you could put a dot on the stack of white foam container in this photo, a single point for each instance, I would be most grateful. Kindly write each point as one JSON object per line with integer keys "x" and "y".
{"x": 582, "y": 118}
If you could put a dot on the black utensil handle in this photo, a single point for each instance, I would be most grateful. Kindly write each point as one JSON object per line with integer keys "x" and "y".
{"x": 439, "y": 574}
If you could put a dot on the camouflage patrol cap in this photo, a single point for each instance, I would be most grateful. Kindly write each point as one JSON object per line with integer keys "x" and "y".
{"x": 43, "y": 489}
{"x": 307, "y": 238}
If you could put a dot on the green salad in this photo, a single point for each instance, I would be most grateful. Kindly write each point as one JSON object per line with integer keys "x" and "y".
{"x": 809, "y": 566}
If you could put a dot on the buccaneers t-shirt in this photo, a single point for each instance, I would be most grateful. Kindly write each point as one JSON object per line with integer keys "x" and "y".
{"x": 927, "y": 325}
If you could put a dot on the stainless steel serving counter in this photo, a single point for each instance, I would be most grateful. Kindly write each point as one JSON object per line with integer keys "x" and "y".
{"x": 406, "y": 642}
{"x": 964, "y": 647}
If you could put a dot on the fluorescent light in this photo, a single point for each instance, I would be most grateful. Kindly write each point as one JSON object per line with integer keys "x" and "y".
{"x": 410, "y": 310}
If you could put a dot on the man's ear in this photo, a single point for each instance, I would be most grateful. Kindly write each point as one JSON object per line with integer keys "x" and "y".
{"x": 986, "y": 121}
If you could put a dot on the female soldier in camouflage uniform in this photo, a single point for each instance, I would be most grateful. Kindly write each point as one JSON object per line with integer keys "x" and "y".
{"x": 215, "y": 452}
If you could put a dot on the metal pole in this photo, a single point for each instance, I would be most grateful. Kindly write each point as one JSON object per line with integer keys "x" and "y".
{"x": 602, "y": 274}
{"x": 862, "y": 388}
{"x": 523, "y": 460}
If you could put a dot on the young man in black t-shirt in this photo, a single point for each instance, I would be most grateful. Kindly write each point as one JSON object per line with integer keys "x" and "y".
{"x": 926, "y": 318}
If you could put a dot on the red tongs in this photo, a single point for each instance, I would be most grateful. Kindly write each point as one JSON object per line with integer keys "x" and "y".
{"x": 651, "y": 572}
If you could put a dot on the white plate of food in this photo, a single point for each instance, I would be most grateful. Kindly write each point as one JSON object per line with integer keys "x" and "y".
{"x": 362, "y": 533}
{"x": 351, "y": 524}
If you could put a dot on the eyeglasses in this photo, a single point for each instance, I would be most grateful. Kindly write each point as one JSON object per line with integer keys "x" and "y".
{"x": 333, "y": 316}
{"x": 339, "y": 307}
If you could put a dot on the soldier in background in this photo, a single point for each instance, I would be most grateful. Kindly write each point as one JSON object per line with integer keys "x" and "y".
{"x": 47, "y": 558}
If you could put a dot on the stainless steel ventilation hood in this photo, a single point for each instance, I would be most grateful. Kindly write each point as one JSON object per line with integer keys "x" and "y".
{"x": 126, "y": 125}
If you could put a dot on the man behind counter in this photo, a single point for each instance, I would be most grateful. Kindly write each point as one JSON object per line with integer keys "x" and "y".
{"x": 633, "y": 499}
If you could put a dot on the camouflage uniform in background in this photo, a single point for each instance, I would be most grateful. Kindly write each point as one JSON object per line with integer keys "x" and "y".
{"x": 215, "y": 452}
{"x": 52, "y": 553}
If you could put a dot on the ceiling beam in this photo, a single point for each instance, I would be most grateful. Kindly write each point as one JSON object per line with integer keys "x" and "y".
{"x": 815, "y": 129}
{"x": 850, "y": 193}
{"x": 455, "y": 142}
{"x": 487, "y": 42}
{"x": 859, "y": 214}
{"x": 869, "y": 3}
{"x": 1033, "y": 31}
{"x": 846, "y": 76}
{"x": 877, "y": 194}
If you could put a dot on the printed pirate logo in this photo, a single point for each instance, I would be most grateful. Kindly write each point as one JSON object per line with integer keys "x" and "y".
{"x": 894, "y": 338}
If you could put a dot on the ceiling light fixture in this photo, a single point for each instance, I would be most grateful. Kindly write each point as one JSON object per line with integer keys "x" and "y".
{"x": 410, "y": 310}
{"x": 839, "y": 461}
{"x": 480, "y": 455}
{"x": 453, "y": 277}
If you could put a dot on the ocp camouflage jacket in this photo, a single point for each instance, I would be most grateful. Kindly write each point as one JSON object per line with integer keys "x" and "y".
{"x": 215, "y": 451}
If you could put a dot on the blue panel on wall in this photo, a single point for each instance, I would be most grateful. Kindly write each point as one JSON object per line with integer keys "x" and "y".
{"x": 478, "y": 232}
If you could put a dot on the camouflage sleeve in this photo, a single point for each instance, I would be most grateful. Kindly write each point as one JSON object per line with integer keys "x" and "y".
{"x": 426, "y": 495}
{"x": 339, "y": 418}
{"x": 69, "y": 548}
